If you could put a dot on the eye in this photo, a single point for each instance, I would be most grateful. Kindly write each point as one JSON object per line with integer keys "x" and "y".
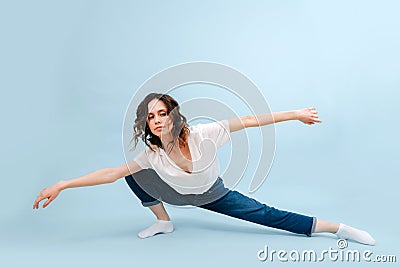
{"x": 163, "y": 114}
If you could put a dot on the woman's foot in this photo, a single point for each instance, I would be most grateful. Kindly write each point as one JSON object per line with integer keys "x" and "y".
{"x": 348, "y": 232}
{"x": 160, "y": 227}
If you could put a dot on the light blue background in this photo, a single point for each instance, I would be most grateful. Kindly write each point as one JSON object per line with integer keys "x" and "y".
{"x": 69, "y": 68}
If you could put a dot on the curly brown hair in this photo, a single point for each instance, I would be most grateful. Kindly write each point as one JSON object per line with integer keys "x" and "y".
{"x": 180, "y": 130}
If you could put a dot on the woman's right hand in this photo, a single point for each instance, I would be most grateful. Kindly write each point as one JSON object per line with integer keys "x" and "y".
{"x": 102, "y": 176}
{"x": 49, "y": 193}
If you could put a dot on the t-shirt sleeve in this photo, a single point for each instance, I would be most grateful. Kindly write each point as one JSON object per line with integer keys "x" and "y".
{"x": 217, "y": 131}
{"x": 143, "y": 160}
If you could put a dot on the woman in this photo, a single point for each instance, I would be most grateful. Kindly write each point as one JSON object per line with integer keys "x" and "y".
{"x": 168, "y": 171}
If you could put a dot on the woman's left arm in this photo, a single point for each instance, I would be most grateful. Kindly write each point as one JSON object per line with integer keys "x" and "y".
{"x": 307, "y": 115}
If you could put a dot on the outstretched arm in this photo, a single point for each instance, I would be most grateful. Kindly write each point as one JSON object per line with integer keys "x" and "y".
{"x": 102, "y": 176}
{"x": 307, "y": 115}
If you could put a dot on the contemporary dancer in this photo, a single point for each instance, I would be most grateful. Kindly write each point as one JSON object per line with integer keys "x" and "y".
{"x": 173, "y": 170}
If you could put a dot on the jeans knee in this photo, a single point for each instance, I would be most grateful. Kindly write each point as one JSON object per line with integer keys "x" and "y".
{"x": 128, "y": 178}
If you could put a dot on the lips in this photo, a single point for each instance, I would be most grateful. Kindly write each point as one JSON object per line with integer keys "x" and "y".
{"x": 159, "y": 127}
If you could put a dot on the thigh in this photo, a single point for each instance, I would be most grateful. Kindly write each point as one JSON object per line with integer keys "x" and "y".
{"x": 235, "y": 204}
{"x": 152, "y": 184}
{"x": 144, "y": 195}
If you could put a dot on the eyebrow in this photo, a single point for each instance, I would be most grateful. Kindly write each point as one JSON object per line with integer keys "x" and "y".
{"x": 163, "y": 109}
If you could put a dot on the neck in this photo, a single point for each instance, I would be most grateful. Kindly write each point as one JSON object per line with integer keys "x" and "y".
{"x": 168, "y": 142}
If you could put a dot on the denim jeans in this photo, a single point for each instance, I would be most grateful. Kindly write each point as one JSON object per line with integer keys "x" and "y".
{"x": 153, "y": 190}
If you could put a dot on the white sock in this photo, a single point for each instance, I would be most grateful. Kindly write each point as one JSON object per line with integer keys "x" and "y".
{"x": 348, "y": 232}
{"x": 160, "y": 226}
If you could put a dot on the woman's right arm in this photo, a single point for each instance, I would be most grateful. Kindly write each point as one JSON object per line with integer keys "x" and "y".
{"x": 102, "y": 176}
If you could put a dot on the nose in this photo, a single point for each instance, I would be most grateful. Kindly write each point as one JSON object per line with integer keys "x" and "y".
{"x": 157, "y": 119}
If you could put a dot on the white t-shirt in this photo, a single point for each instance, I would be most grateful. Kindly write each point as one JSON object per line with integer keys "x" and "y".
{"x": 204, "y": 140}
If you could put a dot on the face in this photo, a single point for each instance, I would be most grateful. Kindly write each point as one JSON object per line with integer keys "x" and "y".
{"x": 158, "y": 119}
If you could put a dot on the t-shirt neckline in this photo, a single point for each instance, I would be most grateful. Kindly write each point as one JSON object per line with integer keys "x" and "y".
{"x": 191, "y": 154}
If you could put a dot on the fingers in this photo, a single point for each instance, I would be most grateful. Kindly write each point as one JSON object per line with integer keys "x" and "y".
{"x": 39, "y": 198}
{"x": 48, "y": 193}
{"x": 314, "y": 121}
{"x": 310, "y": 116}
{"x": 48, "y": 202}
{"x": 36, "y": 204}
{"x": 314, "y": 116}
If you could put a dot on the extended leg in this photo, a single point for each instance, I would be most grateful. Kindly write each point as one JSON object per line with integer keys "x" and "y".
{"x": 242, "y": 207}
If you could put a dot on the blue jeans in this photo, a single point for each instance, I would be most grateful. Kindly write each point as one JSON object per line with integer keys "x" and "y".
{"x": 153, "y": 190}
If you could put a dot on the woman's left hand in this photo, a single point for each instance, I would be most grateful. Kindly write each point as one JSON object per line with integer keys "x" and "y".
{"x": 308, "y": 115}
